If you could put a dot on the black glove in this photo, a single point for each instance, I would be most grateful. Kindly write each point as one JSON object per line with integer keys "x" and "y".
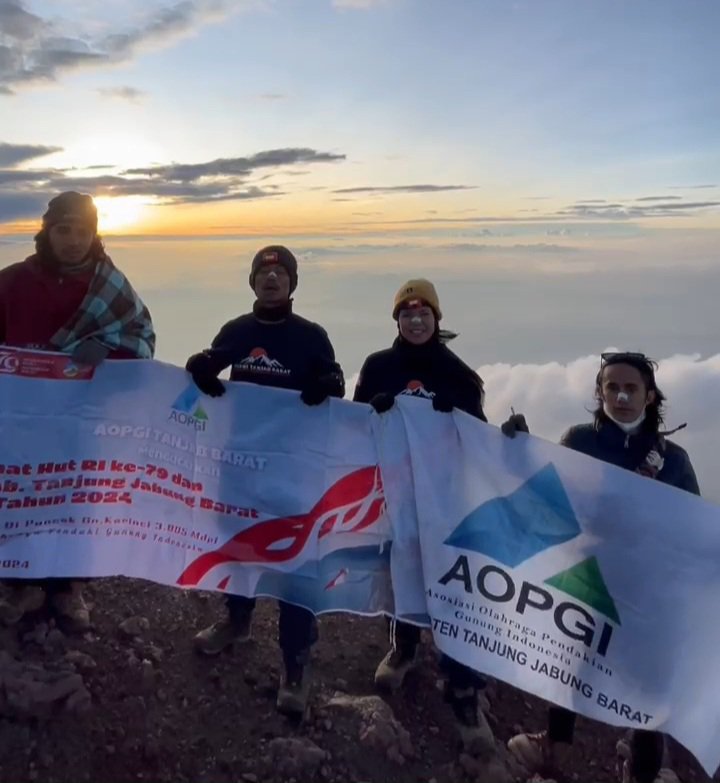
{"x": 382, "y": 402}
{"x": 442, "y": 403}
{"x": 200, "y": 367}
{"x": 90, "y": 353}
{"x": 319, "y": 388}
{"x": 516, "y": 423}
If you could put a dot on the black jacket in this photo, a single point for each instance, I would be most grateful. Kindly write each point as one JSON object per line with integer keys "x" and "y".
{"x": 607, "y": 442}
{"x": 287, "y": 354}
{"x": 421, "y": 371}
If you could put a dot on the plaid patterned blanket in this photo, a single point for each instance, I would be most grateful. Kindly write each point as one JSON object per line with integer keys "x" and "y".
{"x": 111, "y": 313}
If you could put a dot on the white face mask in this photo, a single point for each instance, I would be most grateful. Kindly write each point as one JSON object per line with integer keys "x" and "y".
{"x": 628, "y": 427}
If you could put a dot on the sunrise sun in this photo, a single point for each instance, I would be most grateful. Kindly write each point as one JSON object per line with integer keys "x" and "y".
{"x": 118, "y": 213}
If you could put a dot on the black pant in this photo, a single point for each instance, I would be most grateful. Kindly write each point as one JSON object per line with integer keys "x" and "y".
{"x": 297, "y": 627}
{"x": 52, "y": 585}
{"x": 406, "y": 637}
{"x": 647, "y": 746}
{"x": 561, "y": 724}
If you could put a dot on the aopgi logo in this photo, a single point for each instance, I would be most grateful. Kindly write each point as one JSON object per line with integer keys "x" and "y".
{"x": 188, "y": 411}
{"x": 512, "y": 529}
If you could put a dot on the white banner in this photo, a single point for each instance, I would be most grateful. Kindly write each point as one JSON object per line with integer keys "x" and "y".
{"x": 577, "y": 581}
{"x": 136, "y": 473}
{"x": 570, "y": 579}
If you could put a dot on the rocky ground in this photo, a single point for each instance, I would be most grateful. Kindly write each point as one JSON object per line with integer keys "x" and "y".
{"x": 131, "y": 701}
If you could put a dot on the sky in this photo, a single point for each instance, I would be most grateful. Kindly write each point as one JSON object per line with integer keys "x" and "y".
{"x": 554, "y": 167}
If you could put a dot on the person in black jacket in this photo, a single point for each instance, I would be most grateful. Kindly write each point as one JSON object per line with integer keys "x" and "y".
{"x": 272, "y": 347}
{"x": 420, "y": 364}
{"x": 625, "y": 432}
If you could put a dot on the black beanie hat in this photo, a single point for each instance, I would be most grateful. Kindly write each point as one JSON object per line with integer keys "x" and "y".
{"x": 71, "y": 206}
{"x": 275, "y": 254}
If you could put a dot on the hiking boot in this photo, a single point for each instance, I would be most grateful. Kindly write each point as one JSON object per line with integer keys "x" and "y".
{"x": 667, "y": 775}
{"x": 391, "y": 671}
{"x": 294, "y": 690}
{"x": 470, "y": 720}
{"x": 537, "y": 754}
{"x": 19, "y": 601}
{"x": 221, "y": 635}
{"x": 71, "y": 609}
{"x": 645, "y": 753}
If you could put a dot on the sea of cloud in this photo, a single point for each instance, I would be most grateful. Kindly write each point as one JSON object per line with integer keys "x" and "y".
{"x": 554, "y": 396}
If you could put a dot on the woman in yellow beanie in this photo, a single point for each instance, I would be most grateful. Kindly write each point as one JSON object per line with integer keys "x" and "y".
{"x": 421, "y": 365}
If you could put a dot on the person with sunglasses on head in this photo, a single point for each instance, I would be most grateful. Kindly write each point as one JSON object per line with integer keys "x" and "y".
{"x": 69, "y": 297}
{"x": 420, "y": 364}
{"x": 626, "y": 431}
{"x": 271, "y": 346}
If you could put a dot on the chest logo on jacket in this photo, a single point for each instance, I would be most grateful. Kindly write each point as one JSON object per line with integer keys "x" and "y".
{"x": 258, "y": 361}
{"x": 417, "y": 389}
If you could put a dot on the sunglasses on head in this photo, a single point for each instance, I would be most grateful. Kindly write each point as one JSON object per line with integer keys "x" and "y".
{"x": 635, "y": 358}
{"x": 618, "y": 356}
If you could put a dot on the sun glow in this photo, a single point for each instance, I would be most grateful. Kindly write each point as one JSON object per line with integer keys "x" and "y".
{"x": 118, "y": 213}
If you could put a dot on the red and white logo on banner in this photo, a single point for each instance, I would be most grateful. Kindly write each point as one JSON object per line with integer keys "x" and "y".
{"x": 38, "y": 364}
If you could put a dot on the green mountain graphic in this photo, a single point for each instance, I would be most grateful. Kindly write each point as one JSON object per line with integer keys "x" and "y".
{"x": 200, "y": 414}
{"x": 585, "y": 582}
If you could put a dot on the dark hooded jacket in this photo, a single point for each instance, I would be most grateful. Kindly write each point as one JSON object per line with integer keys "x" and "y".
{"x": 286, "y": 354}
{"x": 604, "y": 440}
{"x": 421, "y": 371}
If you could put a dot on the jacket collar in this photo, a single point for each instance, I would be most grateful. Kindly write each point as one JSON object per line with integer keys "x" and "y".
{"x": 612, "y": 437}
{"x": 272, "y": 315}
{"x": 49, "y": 268}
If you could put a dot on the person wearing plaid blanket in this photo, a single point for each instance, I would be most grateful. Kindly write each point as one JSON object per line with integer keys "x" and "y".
{"x": 69, "y": 297}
